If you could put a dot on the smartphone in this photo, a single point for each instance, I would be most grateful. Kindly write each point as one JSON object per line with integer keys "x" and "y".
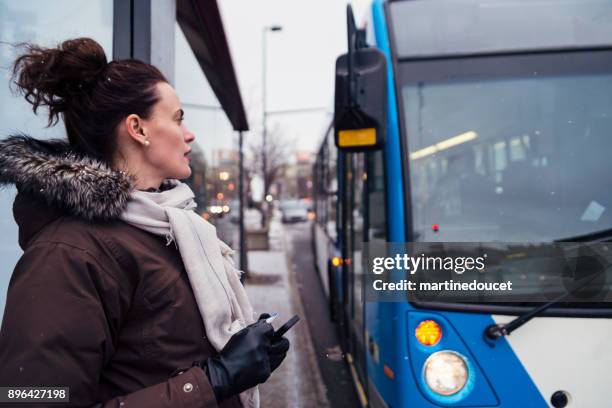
{"x": 285, "y": 327}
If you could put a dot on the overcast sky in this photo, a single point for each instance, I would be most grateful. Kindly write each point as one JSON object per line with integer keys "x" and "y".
{"x": 300, "y": 60}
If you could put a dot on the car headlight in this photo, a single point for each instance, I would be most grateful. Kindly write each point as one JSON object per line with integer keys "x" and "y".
{"x": 446, "y": 372}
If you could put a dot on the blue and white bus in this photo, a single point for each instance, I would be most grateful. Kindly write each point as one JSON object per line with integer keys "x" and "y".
{"x": 498, "y": 128}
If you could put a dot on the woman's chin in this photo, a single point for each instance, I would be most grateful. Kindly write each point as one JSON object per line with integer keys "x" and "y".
{"x": 179, "y": 173}
{"x": 185, "y": 173}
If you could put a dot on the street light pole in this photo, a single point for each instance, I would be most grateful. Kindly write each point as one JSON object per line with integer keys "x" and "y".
{"x": 244, "y": 266}
{"x": 264, "y": 155}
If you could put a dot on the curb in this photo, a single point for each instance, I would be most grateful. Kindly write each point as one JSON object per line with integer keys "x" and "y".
{"x": 296, "y": 303}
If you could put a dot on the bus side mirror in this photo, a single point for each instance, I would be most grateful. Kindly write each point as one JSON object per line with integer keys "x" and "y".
{"x": 360, "y": 108}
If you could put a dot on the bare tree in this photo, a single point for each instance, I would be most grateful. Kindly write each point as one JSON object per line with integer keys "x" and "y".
{"x": 277, "y": 151}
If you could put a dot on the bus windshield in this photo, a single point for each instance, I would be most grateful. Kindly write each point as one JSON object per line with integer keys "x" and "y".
{"x": 522, "y": 155}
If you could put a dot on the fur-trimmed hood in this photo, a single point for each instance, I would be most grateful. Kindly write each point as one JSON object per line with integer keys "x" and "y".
{"x": 51, "y": 172}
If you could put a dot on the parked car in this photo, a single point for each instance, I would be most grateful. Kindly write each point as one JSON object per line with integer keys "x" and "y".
{"x": 234, "y": 211}
{"x": 293, "y": 211}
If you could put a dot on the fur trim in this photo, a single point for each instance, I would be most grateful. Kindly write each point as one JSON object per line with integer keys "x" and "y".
{"x": 50, "y": 171}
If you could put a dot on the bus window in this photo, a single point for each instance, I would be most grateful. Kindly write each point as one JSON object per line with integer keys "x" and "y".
{"x": 320, "y": 186}
{"x": 331, "y": 186}
{"x": 326, "y": 186}
{"x": 376, "y": 229}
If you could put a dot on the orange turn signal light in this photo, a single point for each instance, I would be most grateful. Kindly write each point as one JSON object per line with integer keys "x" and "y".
{"x": 336, "y": 261}
{"x": 388, "y": 372}
{"x": 428, "y": 333}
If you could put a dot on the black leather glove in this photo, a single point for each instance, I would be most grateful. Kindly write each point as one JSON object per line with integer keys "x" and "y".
{"x": 278, "y": 348}
{"x": 278, "y": 352}
{"x": 243, "y": 363}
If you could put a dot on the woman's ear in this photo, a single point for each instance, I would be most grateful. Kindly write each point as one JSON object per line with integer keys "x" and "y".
{"x": 133, "y": 125}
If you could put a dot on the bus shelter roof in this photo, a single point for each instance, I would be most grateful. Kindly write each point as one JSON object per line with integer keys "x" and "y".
{"x": 201, "y": 23}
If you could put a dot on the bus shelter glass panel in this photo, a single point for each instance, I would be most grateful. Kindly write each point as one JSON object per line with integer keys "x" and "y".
{"x": 48, "y": 24}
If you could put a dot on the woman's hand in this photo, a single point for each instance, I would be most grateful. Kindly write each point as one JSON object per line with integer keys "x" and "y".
{"x": 243, "y": 363}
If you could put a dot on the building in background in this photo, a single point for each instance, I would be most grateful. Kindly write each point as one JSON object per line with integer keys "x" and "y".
{"x": 296, "y": 181}
{"x": 222, "y": 181}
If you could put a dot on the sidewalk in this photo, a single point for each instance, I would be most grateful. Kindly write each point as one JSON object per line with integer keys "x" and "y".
{"x": 271, "y": 288}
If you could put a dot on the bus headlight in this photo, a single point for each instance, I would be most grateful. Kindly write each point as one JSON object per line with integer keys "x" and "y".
{"x": 446, "y": 372}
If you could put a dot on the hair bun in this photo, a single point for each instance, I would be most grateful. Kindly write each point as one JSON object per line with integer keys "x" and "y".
{"x": 59, "y": 77}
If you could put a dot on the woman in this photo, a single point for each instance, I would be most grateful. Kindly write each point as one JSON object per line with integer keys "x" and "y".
{"x": 123, "y": 294}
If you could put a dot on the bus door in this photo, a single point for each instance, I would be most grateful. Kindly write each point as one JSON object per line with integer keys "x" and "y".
{"x": 354, "y": 235}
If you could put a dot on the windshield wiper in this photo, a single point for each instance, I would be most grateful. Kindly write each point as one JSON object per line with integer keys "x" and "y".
{"x": 497, "y": 331}
{"x": 601, "y": 235}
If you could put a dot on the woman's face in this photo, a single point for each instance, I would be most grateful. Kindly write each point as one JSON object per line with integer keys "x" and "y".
{"x": 166, "y": 155}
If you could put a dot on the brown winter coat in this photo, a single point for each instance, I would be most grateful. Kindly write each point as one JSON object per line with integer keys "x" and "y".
{"x": 94, "y": 303}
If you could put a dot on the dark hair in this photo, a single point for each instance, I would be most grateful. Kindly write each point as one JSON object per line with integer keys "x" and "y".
{"x": 75, "y": 81}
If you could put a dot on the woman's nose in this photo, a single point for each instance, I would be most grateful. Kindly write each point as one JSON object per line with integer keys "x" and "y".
{"x": 189, "y": 137}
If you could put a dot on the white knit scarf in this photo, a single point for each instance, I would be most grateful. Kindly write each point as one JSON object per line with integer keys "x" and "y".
{"x": 221, "y": 298}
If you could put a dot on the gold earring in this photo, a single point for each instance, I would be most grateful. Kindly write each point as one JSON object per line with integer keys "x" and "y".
{"x": 147, "y": 143}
